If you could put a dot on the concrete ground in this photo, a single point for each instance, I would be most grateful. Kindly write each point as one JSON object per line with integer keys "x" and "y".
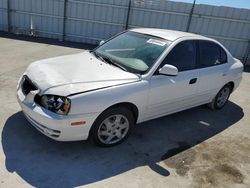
{"x": 193, "y": 148}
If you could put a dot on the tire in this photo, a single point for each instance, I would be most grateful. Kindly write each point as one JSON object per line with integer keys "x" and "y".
{"x": 221, "y": 98}
{"x": 112, "y": 127}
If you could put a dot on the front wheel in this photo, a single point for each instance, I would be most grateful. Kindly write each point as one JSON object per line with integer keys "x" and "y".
{"x": 112, "y": 126}
{"x": 221, "y": 98}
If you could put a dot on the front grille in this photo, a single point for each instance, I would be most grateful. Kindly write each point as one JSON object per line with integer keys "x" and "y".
{"x": 27, "y": 85}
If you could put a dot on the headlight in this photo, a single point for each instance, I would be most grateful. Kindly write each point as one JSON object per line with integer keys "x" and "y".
{"x": 57, "y": 104}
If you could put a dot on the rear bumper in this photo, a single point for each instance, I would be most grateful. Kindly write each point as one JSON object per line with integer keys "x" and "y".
{"x": 57, "y": 127}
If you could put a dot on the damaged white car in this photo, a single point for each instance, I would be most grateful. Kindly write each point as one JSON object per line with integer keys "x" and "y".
{"x": 138, "y": 75}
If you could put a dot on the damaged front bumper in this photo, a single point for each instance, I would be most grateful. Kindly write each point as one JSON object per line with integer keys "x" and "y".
{"x": 57, "y": 127}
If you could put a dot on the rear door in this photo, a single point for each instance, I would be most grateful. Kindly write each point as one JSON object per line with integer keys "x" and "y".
{"x": 213, "y": 65}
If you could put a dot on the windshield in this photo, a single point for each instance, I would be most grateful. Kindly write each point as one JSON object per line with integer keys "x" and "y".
{"x": 133, "y": 51}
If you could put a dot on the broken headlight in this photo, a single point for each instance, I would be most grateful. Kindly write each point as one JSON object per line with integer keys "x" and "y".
{"x": 57, "y": 104}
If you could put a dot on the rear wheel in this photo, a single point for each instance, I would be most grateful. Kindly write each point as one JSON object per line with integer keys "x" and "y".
{"x": 221, "y": 98}
{"x": 112, "y": 126}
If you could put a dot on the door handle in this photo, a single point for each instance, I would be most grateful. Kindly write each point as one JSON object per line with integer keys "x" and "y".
{"x": 193, "y": 80}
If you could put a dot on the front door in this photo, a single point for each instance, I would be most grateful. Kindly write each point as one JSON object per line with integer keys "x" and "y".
{"x": 169, "y": 94}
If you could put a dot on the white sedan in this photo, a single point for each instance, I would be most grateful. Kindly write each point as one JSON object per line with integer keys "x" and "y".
{"x": 138, "y": 75}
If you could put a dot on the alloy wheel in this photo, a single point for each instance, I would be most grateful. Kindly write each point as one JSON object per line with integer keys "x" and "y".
{"x": 113, "y": 129}
{"x": 223, "y": 96}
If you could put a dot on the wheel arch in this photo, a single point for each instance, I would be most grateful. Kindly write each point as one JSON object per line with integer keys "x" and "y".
{"x": 130, "y": 106}
{"x": 231, "y": 84}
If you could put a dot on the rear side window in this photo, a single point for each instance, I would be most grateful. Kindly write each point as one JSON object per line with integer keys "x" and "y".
{"x": 211, "y": 54}
{"x": 223, "y": 56}
{"x": 182, "y": 56}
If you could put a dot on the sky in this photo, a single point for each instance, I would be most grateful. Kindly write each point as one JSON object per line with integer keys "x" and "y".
{"x": 229, "y": 3}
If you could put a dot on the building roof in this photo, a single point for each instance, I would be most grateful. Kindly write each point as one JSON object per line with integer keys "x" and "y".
{"x": 165, "y": 33}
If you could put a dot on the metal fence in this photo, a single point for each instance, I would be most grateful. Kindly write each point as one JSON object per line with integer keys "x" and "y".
{"x": 90, "y": 21}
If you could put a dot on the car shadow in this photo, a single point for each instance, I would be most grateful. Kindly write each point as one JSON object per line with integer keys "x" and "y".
{"x": 47, "y": 41}
{"x": 247, "y": 68}
{"x": 43, "y": 162}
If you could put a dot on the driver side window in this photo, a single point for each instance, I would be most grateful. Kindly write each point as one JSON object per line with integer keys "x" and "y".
{"x": 182, "y": 56}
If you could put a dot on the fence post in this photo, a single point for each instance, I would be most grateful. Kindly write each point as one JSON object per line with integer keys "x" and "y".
{"x": 128, "y": 14}
{"x": 190, "y": 16}
{"x": 8, "y": 15}
{"x": 64, "y": 18}
{"x": 247, "y": 53}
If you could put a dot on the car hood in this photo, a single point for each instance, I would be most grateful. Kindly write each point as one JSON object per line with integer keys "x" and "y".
{"x": 67, "y": 75}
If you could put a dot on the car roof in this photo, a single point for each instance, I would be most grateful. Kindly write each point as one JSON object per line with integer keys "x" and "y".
{"x": 170, "y": 35}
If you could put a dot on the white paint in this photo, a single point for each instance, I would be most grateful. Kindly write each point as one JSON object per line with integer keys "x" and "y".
{"x": 104, "y": 85}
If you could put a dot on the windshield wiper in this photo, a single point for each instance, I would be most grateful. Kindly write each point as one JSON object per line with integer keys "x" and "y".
{"x": 98, "y": 56}
{"x": 112, "y": 62}
{"x": 108, "y": 60}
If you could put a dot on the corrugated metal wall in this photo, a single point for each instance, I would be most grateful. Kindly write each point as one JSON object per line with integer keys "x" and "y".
{"x": 3, "y": 15}
{"x": 228, "y": 25}
{"x": 40, "y": 17}
{"x": 92, "y": 20}
{"x": 160, "y": 14}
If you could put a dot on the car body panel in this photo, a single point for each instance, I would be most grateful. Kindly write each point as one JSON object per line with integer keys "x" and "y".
{"x": 171, "y": 35}
{"x": 75, "y": 73}
{"x": 46, "y": 121}
{"x": 99, "y": 100}
{"x": 94, "y": 86}
{"x": 211, "y": 81}
{"x": 166, "y": 92}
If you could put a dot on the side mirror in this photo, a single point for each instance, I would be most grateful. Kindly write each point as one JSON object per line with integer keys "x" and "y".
{"x": 101, "y": 42}
{"x": 168, "y": 70}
